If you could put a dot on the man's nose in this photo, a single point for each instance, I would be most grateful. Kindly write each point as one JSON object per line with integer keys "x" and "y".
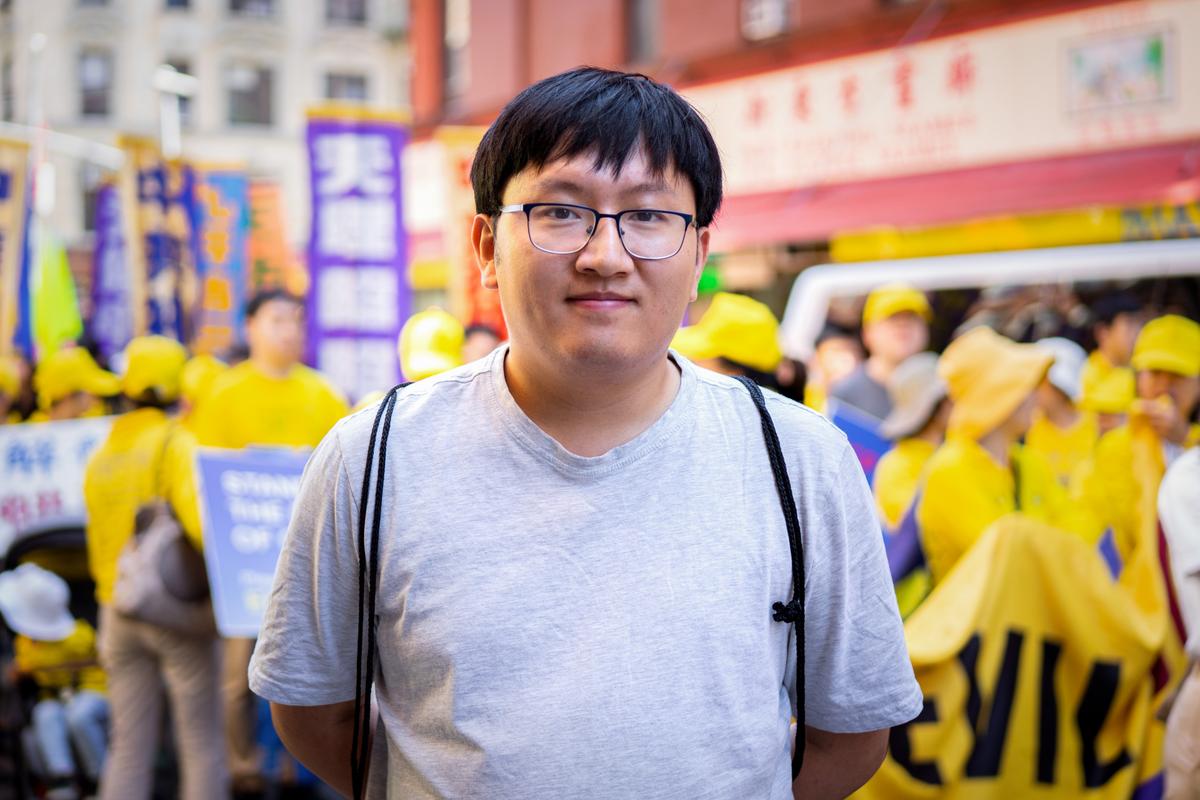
{"x": 604, "y": 254}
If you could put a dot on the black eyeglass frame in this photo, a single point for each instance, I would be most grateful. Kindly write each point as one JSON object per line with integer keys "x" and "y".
{"x": 616, "y": 218}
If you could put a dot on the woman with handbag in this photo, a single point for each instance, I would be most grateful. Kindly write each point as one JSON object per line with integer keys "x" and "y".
{"x": 144, "y": 540}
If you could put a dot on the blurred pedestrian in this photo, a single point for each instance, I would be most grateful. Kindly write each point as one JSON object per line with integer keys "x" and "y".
{"x": 479, "y": 340}
{"x": 1117, "y": 319}
{"x": 1179, "y": 510}
{"x": 982, "y": 472}
{"x": 148, "y": 456}
{"x": 431, "y": 342}
{"x": 270, "y": 399}
{"x": 1123, "y": 478}
{"x": 580, "y": 534}
{"x": 737, "y": 335}
{"x": 57, "y": 652}
{"x": 1108, "y": 394}
{"x": 837, "y": 352}
{"x": 70, "y": 384}
{"x": 1061, "y": 433}
{"x": 895, "y": 326}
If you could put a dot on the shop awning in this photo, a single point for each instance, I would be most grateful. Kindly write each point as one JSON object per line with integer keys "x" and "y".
{"x": 1168, "y": 173}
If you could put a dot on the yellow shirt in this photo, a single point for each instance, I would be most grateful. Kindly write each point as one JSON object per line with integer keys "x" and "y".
{"x": 1066, "y": 450}
{"x": 124, "y": 473}
{"x": 966, "y": 491}
{"x": 61, "y": 664}
{"x": 247, "y": 407}
{"x": 897, "y": 477}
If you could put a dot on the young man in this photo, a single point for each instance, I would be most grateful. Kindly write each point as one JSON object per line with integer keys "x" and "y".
{"x": 1117, "y": 319}
{"x": 581, "y": 536}
{"x": 1062, "y": 433}
{"x": 270, "y": 399}
{"x": 895, "y": 327}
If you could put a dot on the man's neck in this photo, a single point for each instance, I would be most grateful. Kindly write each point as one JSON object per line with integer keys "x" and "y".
{"x": 998, "y": 445}
{"x": 270, "y": 368}
{"x": 590, "y": 415}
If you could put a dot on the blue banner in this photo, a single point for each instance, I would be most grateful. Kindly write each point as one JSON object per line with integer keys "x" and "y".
{"x": 222, "y": 227}
{"x": 246, "y": 498}
{"x": 111, "y": 325}
{"x": 863, "y": 432}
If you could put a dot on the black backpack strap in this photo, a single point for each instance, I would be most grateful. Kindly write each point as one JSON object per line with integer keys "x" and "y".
{"x": 793, "y": 612}
{"x": 368, "y": 564}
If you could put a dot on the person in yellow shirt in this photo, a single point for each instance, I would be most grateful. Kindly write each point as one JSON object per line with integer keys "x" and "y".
{"x": 1117, "y": 319}
{"x": 270, "y": 399}
{"x": 149, "y": 456}
{"x": 195, "y": 384}
{"x": 1061, "y": 433}
{"x": 736, "y": 335}
{"x": 58, "y": 652}
{"x": 917, "y": 425}
{"x": 982, "y": 472}
{"x": 1109, "y": 395}
{"x": 1123, "y": 479}
{"x": 70, "y": 384}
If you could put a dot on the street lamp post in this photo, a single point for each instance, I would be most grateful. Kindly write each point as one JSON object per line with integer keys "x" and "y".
{"x": 172, "y": 86}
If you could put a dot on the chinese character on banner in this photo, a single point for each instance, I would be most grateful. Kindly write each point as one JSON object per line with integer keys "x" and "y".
{"x": 960, "y": 76}
{"x": 111, "y": 323}
{"x": 801, "y": 103}
{"x": 358, "y": 296}
{"x": 849, "y": 91}
{"x": 902, "y": 77}
{"x": 222, "y": 227}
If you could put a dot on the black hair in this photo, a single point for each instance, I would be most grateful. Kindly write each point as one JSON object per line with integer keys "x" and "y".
{"x": 600, "y": 111}
{"x": 1108, "y": 307}
{"x": 832, "y": 330}
{"x": 481, "y": 327}
{"x": 265, "y": 296}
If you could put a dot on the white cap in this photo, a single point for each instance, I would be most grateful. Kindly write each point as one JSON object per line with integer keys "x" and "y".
{"x": 34, "y": 603}
{"x": 1066, "y": 373}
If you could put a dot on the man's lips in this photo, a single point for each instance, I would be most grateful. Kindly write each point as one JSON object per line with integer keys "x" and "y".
{"x": 600, "y": 300}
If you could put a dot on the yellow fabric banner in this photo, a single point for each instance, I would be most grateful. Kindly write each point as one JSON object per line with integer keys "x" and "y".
{"x": 1041, "y": 672}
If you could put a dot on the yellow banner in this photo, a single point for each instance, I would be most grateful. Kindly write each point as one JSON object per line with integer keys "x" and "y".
{"x": 14, "y": 162}
{"x": 1042, "y": 675}
{"x": 1022, "y": 232}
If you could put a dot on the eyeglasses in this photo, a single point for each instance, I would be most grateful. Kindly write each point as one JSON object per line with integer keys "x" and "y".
{"x": 649, "y": 234}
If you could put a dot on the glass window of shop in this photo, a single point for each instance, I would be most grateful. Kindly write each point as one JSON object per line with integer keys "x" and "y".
{"x": 252, "y": 8}
{"x": 250, "y": 88}
{"x": 346, "y": 12}
{"x": 346, "y": 86}
{"x": 95, "y": 82}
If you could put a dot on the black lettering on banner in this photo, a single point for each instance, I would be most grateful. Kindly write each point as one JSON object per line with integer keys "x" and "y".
{"x": 1093, "y": 710}
{"x": 1047, "y": 753}
{"x": 986, "y": 754}
{"x": 900, "y": 747}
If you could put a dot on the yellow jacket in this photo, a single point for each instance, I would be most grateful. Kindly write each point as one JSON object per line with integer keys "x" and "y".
{"x": 897, "y": 477}
{"x": 247, "y": 407}
{"x": 966, "y": 491}
{"x": 1066, "y": 450}
{"x": 69, "y": 663}
{"x": 128, "y": 470}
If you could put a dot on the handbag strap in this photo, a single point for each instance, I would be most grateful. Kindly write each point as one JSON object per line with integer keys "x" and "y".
{"x": 792, "y": 612}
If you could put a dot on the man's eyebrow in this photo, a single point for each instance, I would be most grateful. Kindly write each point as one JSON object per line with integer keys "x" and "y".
{"x": 570, "y": 187}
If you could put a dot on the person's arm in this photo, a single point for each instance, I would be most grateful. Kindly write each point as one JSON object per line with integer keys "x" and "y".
{"x": 320, "y": 738}
{"x": 836, "y": 764}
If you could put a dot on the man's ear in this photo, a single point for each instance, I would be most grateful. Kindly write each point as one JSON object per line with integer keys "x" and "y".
{"x": 701, "y": 260}
{"x": 483, "y": 243}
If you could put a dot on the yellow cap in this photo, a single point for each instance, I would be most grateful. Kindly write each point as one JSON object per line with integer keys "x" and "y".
{"x": 198, "y": 376}
{"x": 10, "y": 375}
{"x": 895, "y": 298}
{"x": 430, "y": 342}
{"x": 988, "y": 376}
{"x": 153, "y": 363}
{"x": 1108, "y": 391}
{"x": 71, "y": 370}
{"x": 734, "y": 327}
{"x": 1171, "y": 344}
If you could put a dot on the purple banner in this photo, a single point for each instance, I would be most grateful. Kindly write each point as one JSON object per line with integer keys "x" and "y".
{"x": 359, "y": 295}
{"x": 222, "y": 223}
{"x": 111, "y": 325}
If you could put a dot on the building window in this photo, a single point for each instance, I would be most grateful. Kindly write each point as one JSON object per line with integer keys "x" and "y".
{"x": 641, "y": 30}
{"x": 91, "y": 179}
{"x": 346, "y": 86}
{"x": 185, "y": 103}
{"x": 352, "y": 12}
{"x": 178, "y": 3}
{"x": 7, "y": 98}
{"x": 93, "y": 2}
{"x": 762, "y": 19}
{"x": 249, "y": 94}
{"x": 458, "y": 36}
{"x": 252, "y": 8}
{"x": 95, "y": 82}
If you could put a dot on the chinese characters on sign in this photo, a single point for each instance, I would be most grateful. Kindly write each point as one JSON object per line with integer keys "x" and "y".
{"x": 358, "y": 298}
{"x": 222, "y": 226}
{"x": 111, "y": 324}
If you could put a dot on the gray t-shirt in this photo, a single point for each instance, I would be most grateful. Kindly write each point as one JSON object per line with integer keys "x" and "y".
{"x": 557, "y": 626}
{"x": 864, "y": 393}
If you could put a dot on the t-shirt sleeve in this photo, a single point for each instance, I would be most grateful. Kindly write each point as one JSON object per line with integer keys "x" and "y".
{"x": 858, "y": 676}
{"x": 1179, "y": 511}
{"x": 306, "y": 648}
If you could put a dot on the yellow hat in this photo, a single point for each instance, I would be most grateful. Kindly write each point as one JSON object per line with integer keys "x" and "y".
{"x": 734, "y": 327}
{"x": 430, "y": 342}
{"x": 1170, "y": 344}
{"x": 10, "y": 375}
{"x": 71, "y": 370}
{"x": 1109, "y": 391}
{"x": 895, "y": 298}
{"x": 988, "y": 376}
{"x": 198, "y": 376}
{"x": 153, "y": 363}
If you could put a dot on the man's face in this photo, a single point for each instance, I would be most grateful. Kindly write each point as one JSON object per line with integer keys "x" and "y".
{"x": 1116, "y": 340}
{"x": 598, "y": 310}
{"x": 897, "y": 337}
{"x": 276, "y": 333}
{"x": 1183, "y": 391}
{"x": 478, "y": 344}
